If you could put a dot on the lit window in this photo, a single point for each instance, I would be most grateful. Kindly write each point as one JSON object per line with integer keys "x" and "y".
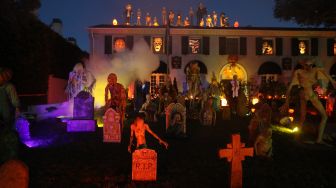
{"x": 195, "y": 45}
{"x": 162, "y": 80}
{"x": 119, "y": 44}
{"x": 153, "y": 84}
{"x": 267, "y": 47}
{"x": 158, "y": 45}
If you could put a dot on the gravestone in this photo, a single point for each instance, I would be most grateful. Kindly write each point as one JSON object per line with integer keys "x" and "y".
{"x": 144, "y": 165}
{"x": 176, "y": 109}
{"x": 83, "y": 114}
{"x": 235, "y": 153}
{"x": 112, "y": 131}
{"x": 83, "y": 106}
{"x": 22, "y": 127}
{"x": 13, "y": 174}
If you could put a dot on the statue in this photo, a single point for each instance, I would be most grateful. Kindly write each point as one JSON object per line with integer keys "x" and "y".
{"x": 128, "y": 13}
{"x": 214, "y": 91}
{"x": 117, "y": 99}
{"x": 235, "y": 93}
{"x": 155, "y": 22}
{"x": 79, "y": 79}
{"x": 139, "y": 17}
{"x": 208, "y": 114}
{"x": 193, "y": 79}
{"x": 201, "y": 12}
{"x": 149, "y": 108}
{"x": 164, "y": 16}
{"x": 214, "y": 15}
{"x": 224, "y": 20}
{"x": 171, "y": 17}
{"x": 209, "y": 21}
{"x": 138, "y": 130}
{"x": 9, "y": 100}
{"x": 191, "y": 16}
{"x": 148, "y": 20}
{"x": 186, "y": 22}
{"x": 263, "y": 143}
{"x": 306, "y": 78}
{"x": 202, "y": 22}
{"x": 179, "y": 20}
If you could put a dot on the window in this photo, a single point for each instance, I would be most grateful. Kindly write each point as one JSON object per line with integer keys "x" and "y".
{"x": 263, "y": 79}
{"x": 232, "y": 46}
{"x": 119, "y": 44}
{"x": 152, "y": 84}
{"x": 162, "y": 80}
{"x": 303, "y": 47}
{"x": 195, "y": 45}
{"x": 158, "y": 45}
{"x": 267, "y": 47}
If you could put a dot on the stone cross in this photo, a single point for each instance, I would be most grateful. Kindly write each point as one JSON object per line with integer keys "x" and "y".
{"x": 235, "y": 153}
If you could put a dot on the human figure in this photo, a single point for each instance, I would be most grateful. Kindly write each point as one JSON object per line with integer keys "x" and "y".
{"x": 139, "y": 17}
{"x": 179, "y": 20}
{"x": 117, "y": 99}
{"x": 263, "y": 143}
{"x": 9, "y": 100}
{"x": 215, "y": 18}
{"x": 164, "y": 16}
{"x": 176, "y": 125}
{"x": 171, "y": 17}
{"x": 235, "y": 92}
{"x": 138, "y": 130}
{"x": 128, "y": 13}
{"x": 201, "y": 12}
{"x": 209, "y": 21}
{"x": 191, "y": 16}
{"x": 148, "y": 20}
{"x": 80, "y": 79}
{"x": 306, "y": 78}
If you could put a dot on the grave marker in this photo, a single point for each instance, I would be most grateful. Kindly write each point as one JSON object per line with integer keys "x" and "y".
{"x": 112, "y": 132}
{"x": 144, "y": 165}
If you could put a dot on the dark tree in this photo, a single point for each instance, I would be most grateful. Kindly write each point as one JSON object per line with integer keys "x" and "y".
{"x": 307, "y": 12}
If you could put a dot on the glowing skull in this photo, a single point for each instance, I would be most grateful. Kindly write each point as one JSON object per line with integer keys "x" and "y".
{"x": 157, "y": 44}
{"x": 119, "y": 45}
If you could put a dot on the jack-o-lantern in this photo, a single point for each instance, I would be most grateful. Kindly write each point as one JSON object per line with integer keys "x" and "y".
{"x": 157, "y": 44}
{"x": 5, "y": 75}
{"x": 119, "y": 45}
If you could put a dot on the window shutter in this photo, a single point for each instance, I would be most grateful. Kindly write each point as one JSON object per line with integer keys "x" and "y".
{"x": 295, "y": 47}
{"x": 330, "y": 47}
{"x": 129, "y": 42}
{"x": 148, "y": 41}
{"x": 243, "y": 46}
{"x": 314, "y": 46}
{"x": 206, "y": 45}
{"x": 258, "y": 45}
{"x": 222, "y": 46}
{"x": 278, "y": 46}
{"x": 108, "y": 44}
{"x": 184, "y": 45}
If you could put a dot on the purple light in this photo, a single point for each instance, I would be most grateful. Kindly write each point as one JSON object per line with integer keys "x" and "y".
{"x": 81, "y": 125}
{"x": 22, "y": 127}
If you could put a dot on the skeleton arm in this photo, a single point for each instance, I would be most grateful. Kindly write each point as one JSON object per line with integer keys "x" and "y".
{"x": 131, "y": 139}
{"x": 156, "y": 136}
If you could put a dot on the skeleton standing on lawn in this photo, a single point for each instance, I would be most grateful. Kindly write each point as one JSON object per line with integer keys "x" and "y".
{"x": 306, "y": 78}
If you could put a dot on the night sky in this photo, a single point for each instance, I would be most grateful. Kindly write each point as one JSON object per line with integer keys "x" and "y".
{"x": 77, "y": 15}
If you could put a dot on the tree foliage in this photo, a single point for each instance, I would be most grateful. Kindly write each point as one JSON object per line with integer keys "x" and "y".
{"x": 307, "y": 12}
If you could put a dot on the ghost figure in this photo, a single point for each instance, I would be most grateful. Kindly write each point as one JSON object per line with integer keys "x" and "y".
{"x": 171, "y": 17}
{"x": 191, "y": 16}
{"x": 164, "y": 16}
{"x": 139, "y": 17}
{"x": 79, "y": 79}
{"x": 209, "y": 21}
{"x": 214, "y": 15}
{"x": 179, "y": 20}
{"x": 157, "y": 44}
{"x": 148, "y": 20}
{"x": 128, "y": 13}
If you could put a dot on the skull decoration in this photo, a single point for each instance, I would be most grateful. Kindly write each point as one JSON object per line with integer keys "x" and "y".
{"x": 302, "y": 47}
{"x": 119, "y": 45}
{"x": 157, "y": 44}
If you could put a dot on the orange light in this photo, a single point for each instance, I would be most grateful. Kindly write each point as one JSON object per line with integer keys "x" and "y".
{"x": 269, "y": 97}
{"x": 291, "y": 110}
{"x": 253, "y": 110}
{"x": 236, "y": 24}
{"x": 115, "y": 22}
{"x": 224, "y": 102}
{"x": 255, "y": 101}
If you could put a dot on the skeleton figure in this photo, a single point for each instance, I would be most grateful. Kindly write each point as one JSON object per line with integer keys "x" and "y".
{"x": 201, "y": 12}
{"x": 155, "y": 22}
{"x": 214, "y": 15}
{"x": 171, "y": 17}
{"x": 191, "y": 16}
{"x": 128, "y": 13}
{"x": 148, "y": 20}
{"x": 306, "y": 78}
{"x": 193, "y": 79}
{"x": 209, "y": 21}
{"x": 139, "y": 17}
{"x": 179, "y": 20}
{"x": 223, "y": 20}
{"x": 202, "y": 22}
{"x": 164, "y": 16}
{"x": 138, "y": 130}
{"x": 79, "y": 79}
{"x": 157, "y": 44}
